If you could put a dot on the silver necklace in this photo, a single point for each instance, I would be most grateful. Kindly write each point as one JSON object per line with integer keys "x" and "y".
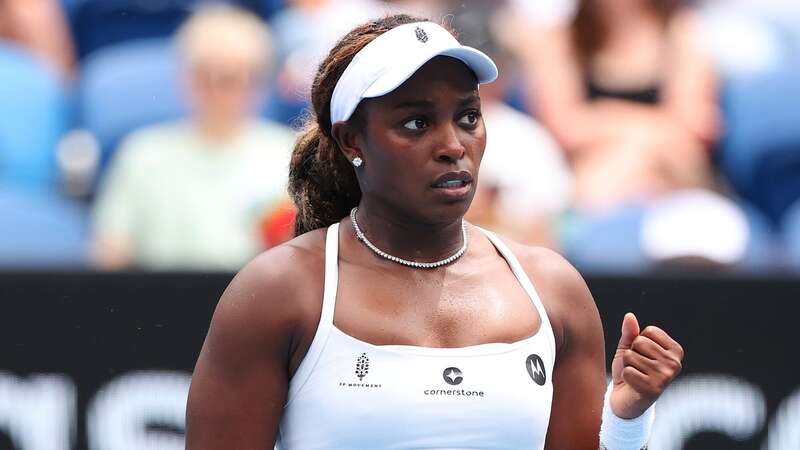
{"x": 418, "y": 265}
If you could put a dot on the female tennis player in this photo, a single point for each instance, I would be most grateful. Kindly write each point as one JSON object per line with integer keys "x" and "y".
{"x": 389, "y": 322}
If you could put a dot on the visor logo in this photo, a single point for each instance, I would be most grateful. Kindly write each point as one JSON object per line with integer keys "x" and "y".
{"x": 422, "y": 36}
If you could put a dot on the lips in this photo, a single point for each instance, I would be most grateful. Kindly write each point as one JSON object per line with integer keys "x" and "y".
{"x": 453, "y": 186}
{"x": 453, "y": 180}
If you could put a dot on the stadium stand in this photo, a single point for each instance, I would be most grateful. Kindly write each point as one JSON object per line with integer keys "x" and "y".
{"x": 128, "y": 86}
{"x": 791, "y": 235}
{"x": 41, "y": 229}
{"x": 99, "y": 23}
{"x": 34, "y": 113}
{"x": 760, "y": 153}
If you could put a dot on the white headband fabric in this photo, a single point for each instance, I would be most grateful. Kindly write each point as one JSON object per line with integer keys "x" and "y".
{"x": 393, "y": 57}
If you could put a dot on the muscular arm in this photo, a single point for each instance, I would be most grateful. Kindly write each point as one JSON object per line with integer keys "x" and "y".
{"x": 645, "y": 364}
{"x": 579, "y": 373}
{"x": 240, "y": 382}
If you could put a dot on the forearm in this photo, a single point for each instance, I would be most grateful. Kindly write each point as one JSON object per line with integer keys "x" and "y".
{"x": 586, "y": 124}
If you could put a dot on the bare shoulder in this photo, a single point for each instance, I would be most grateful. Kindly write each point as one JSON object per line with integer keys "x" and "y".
{"x": 240, "y": 382}
{"x": 273, "y": 297}
{"x": 551, "y": 272}
{"x": 560, "y": 286}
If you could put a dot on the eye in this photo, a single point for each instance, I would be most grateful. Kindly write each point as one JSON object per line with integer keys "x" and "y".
{"x": 470, "y": 118}
{"x": 416, "y": 124}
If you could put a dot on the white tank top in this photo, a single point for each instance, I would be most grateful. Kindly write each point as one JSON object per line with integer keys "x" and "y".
{"x": 348, "y": 394}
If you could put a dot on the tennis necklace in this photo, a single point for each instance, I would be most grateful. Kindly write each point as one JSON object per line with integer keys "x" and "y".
{"x": 405, "y": 262}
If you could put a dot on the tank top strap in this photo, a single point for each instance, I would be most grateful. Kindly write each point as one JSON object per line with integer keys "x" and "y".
{"x": 524, "y": 281}
{"x": 303, "y": 372}
{"x": 331, "y": 275}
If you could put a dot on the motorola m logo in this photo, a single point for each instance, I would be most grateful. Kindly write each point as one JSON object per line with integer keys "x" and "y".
{"x": 452, "y": 376}
{"x": 535, "y": 367}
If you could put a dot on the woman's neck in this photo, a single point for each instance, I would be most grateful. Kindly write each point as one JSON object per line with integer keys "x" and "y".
{"x": 407, "y": 237}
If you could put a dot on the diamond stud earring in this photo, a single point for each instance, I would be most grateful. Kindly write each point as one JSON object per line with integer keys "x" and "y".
{"x": 357, "y": 161}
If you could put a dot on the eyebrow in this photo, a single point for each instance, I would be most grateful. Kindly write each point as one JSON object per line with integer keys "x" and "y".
{"x": 472, "y": 97}
{"x": 414, "y": 104}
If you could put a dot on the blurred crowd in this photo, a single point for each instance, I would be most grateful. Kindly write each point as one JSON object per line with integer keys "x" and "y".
{"x": 630, "y": 135}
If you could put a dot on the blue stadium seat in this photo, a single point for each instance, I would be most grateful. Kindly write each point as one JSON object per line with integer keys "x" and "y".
{"x": 39, "y": 228}
{"x": 791, "y": 234}
{"x": 70, "y": 7}
{"x": 760, "y": 154}
{"x": 270, "y": 7}
{"x": 100, "y": 23}
{"x": 612, "y": 243}
{"x": 127, "y": 86}
{"x": 286, "y": 109}
{"x": 617, "y": 252}
{"x": 264, "y": 8}
{"x": 33, "y": 117}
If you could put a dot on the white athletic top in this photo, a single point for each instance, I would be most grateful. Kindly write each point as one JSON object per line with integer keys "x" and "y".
{"x": 348, "y": 394}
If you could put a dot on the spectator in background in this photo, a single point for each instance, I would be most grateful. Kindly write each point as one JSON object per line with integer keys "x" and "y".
{"x": 525, "y": 181}
{"x": 628, "y": 91}
{"x": 39, "y": 26}
{"x": 432, "y": 9}
{"x": 305, "y": 30}
{"x": 192, "y": 194}
{"x": 544, "y": 12}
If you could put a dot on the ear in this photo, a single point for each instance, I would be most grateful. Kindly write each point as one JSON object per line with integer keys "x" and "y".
{"x": 348, "y": 140}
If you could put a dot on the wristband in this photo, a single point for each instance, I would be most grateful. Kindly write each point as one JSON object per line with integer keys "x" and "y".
{"x": 624, "y": 434}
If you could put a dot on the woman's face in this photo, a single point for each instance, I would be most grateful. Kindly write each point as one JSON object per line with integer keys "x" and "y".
{"x": 226, "y": 89}
{"x": 423, "y": 143}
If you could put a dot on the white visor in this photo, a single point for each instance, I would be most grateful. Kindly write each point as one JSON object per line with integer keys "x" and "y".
{"x": 393, "y": 57}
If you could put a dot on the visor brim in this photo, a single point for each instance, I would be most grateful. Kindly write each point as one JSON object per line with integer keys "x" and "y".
{"x": 481, "y": 65}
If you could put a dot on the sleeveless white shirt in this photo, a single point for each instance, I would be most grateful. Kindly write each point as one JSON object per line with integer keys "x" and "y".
{"x": 349, "y": 394}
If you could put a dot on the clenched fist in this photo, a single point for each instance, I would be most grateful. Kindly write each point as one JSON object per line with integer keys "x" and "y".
{"x": 644, "y": 365}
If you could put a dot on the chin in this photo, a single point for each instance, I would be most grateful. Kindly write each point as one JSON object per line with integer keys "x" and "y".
{"x": 448, "y": 212}
{"x": 427, "y": 209}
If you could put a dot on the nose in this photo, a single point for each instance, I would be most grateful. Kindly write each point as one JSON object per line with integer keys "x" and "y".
{"x": 449, "y": 147}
